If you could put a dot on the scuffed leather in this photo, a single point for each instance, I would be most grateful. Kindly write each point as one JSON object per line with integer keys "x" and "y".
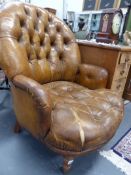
{"x": 82, "y": 119}
{"x": 40, "y": 56}
{"x": 40, "y": 96}
{"x": 91, "y": 76}
{"x": 34, "y": 89}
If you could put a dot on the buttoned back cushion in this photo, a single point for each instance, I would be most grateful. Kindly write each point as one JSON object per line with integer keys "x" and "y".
{"x": 37, "y": 44}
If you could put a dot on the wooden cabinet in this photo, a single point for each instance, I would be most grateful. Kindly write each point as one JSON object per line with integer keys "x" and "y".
{"x": 116, "y": 59}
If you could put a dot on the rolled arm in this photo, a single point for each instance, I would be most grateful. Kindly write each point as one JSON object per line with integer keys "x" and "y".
{"x": 35, "y": 89}
{"x": 40, "y": 97}
{"x": 91, "y": 76}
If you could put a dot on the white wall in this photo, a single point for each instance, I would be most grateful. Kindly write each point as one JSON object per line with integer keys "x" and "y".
{"x": 62, "y": 6}
{"x": 74, "y": 5}
{"x": 56, "y": 4}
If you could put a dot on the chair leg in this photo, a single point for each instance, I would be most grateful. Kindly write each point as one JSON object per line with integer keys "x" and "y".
{"x": 17, "y": 128}
{"x": 68, "y": 161}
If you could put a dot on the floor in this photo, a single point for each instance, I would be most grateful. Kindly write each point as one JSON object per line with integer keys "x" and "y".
{"x": 21, "y": 154}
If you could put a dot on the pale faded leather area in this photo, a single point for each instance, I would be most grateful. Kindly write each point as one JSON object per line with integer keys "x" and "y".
{"x": 81, "y": 118}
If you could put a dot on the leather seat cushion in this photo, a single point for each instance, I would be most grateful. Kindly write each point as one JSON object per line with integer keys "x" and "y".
{"x": 82, "y": 119}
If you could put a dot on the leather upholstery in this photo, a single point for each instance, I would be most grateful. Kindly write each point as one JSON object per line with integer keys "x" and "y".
{"x": 82, "y": 119}
{"x": 32, "y": 97}
{"x": 91, "y": 76}
{"x": 40, "y": 45}
{"x": 41, "y": 58}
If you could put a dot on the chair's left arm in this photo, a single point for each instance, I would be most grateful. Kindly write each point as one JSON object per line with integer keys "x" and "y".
{"x": 91, "y": 76}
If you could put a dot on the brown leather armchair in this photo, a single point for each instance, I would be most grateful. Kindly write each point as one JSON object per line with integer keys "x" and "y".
{"x": 40, "y": 56}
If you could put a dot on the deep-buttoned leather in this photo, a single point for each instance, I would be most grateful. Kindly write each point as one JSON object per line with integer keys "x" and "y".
{"x": 37, "y": 44}
{"x": 40, "y": 56}
{"x": 91, "y": 76}
{"x": 82, "y": 119}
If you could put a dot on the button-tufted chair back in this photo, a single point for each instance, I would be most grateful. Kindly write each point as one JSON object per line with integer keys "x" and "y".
{"x": 37, "y": 44}
{"x": 66, "y": 116}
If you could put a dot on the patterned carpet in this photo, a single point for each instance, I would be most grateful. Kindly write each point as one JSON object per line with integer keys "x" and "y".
{"x": 123, "y": 146}
{"x": 120, "y": 154}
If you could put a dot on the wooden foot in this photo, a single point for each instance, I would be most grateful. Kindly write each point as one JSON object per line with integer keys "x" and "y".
{"x": 17, "y": 128}
{"x": 68, "y": 161}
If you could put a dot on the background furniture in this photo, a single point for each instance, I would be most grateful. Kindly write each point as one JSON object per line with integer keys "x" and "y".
{"x": 89, "y": 5}
{"x": 51, "y": 10}
{"x": 110, "y": 26}
{"x": 104, "y": 4}
{"x": 116, "y": 59}
{"x": 92, "y": 21}
{"x": 124, "y": 3}
{"x": 40, "y": 56}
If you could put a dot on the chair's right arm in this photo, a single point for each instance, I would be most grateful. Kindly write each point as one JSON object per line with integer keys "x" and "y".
{"x": 35, "y": 89}
{"x": 39, "y": 96}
